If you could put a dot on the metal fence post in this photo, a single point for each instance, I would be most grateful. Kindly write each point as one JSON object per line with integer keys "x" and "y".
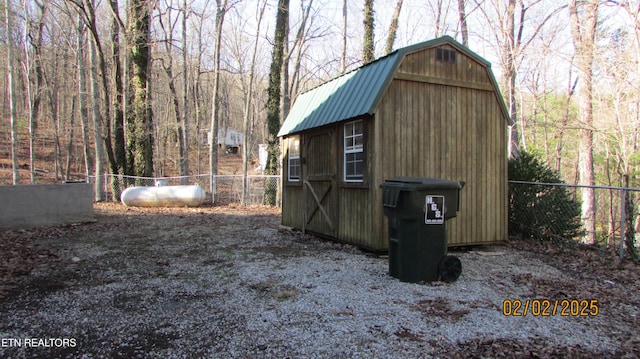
{"x": 623, "y": 220}
{"x": 105, "y": 182}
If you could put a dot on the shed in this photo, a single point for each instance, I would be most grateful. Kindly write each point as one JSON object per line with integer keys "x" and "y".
{"x": 428, "y": 110}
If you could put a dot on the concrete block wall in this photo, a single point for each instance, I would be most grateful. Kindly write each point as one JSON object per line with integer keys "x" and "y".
{"x": 26, "y": 206}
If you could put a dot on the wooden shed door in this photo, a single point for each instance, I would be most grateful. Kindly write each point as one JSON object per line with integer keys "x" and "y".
{"x": 320, "y": 187}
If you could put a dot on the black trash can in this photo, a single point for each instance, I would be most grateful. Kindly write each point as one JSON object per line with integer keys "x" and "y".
{"x": 417, "y": 209}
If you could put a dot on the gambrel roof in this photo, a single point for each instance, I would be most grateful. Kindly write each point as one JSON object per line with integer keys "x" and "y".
{"x": 358, "y": 92}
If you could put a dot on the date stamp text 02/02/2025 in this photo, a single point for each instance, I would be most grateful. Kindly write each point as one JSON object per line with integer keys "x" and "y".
{"x": 550, "y": 307}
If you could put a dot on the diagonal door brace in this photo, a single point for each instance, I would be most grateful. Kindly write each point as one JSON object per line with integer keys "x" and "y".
{"x": 319, "y": 204}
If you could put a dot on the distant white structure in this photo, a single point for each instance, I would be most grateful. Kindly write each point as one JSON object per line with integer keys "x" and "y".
{"x": 229, "y": 138}
{"x": 262, "y": 157}
{"x": 161, "y": 182}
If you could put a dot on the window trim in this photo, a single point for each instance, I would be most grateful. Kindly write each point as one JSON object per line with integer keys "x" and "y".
{"x": 293, "y": 155}
{"x": 446, "y": 55}
{"x": 353, "y": 149}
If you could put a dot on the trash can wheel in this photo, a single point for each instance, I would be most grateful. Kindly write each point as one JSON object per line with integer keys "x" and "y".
{"x": 450, "y": 268}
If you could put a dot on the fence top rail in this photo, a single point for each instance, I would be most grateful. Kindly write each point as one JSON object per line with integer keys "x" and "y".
{"x": 152, "y": 178}
{"x": 190, "y": 176}
{"x": 249, "y": 176}
{"x": 576, "y": 185}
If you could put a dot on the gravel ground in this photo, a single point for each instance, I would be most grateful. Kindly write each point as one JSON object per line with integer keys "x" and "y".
{"x": 228, "y": 282}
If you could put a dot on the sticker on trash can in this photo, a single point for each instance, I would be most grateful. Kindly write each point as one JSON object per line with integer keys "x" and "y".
{"x": 434, "y": 210}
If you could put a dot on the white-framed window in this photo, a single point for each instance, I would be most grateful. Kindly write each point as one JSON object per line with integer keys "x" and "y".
{"x": 294, "y": 159}
{"x": 354, "y": 151}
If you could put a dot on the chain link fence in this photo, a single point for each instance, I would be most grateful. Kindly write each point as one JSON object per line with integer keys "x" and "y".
{"x": 547, "y": 219}
{"x": 547, "y": 210}
{"x": 220, "y": 189}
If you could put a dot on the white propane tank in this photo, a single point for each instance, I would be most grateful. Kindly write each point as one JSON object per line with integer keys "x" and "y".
{"x": 163, "y": 196}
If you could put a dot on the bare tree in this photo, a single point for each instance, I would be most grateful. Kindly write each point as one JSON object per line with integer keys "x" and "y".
{"x": 462, "y": 17}
{"x": 343, "y": 54}
{"x": 67, "y": 170}
{"x": 289, "y": 87}
{"x": 35, "y": 92}
{"x": 185, "y": 94}
{"x": 439, "y": 13}
{"x": 119, "y": 96}
{"x": 97, "y": 123}
{"x": 571, "y": 88}
{"x": 213, "y": 144}
{"x": 88, "y": 11}
{"x": 275, "y": 84}
{"x": 82, "y": 95}
{"x": 12, "y": 96}
{"x": 368, "y": 46}
{"x": 55, "y": 83}
{"x": 247, "y": 106}
{"x": 510, "y": 19}
{"x": 139, "y": 118}
{"x": 583, "y": 31}
{"x": 196, "y": 86}
{"x": 393, "y": 29}
{"x": 275, "y": 96}
{"x": 167, "y": 64}
{"x": 619, "y": 66}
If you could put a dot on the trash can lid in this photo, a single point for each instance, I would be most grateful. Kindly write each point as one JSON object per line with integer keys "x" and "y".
{"x": 421, "y": 183}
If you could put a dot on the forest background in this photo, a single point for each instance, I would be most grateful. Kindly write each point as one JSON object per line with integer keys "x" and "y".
{"x": 132, "y": 87}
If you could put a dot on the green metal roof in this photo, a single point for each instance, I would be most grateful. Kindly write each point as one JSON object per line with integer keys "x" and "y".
{"x": 359, "y": 92}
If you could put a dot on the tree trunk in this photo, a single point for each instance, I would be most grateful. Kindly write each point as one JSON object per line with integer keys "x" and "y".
{"x": 213, "y": 144}
{"x": 612, "y": 207}
{"x": 565, "y": 120}
{"x": 275, "y": 83}
{"x": 35, "y": 99}
{"x": 438, "y": 19}
{"x": 185, "y": 95}
{"x": 67, "y": 170}
{"x": 298, "y": 46}
{"x": 82, "y": 96}
{"x": 509, "y": 73}
{"x": 118, "y": 100}
{"x": 629, "y": 229}
{"x": 247, "y": 109}
{"x": 97, "y": 125}
{"x": 90, "y": 17}
{"x": 462, "y": 17}
{"x": 393, "y": 29}
{"x": 274, "y": 96}
{"x": 139, "y": 117}
{"x": 197, "y": 97}
{"x": 12, "y": 96}
{"x": 343, "y": 54}
{"x": 55, "y": 112}
{"x": 583, "y": 32}
{"x": 167, "y": 64}
{"x": 368, "y": 46}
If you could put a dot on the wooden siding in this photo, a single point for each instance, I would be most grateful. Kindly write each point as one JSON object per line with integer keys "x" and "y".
{"x": 453, "y": 131}
{"x": 357, "y": 200}
{"x": 319, "y": 175}
{"x": 437, "y": 120}
{"x": 291, "y": 194}
{"x": 356, "y": 221}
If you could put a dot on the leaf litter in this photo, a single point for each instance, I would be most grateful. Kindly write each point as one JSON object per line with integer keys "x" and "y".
{"x": 229, "y": 281}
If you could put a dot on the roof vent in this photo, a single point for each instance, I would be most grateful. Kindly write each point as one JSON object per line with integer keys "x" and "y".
{"x": 446, "y": 55}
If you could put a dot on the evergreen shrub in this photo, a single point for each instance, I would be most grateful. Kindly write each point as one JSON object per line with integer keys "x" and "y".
{"x": 540, "y": 212}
